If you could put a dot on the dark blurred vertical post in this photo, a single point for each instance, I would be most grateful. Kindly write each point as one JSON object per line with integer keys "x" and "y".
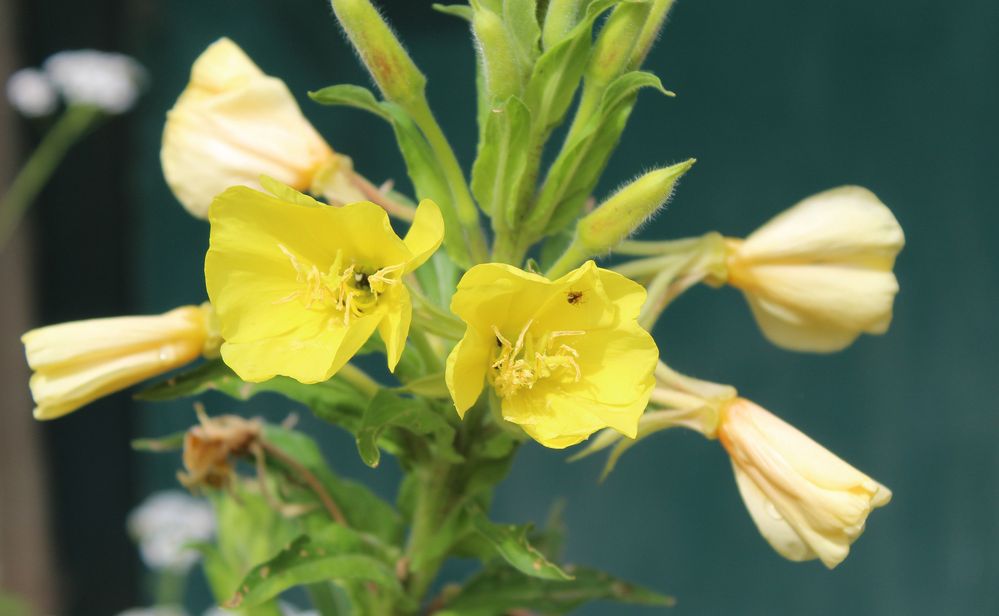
{"x": 25, "y": 551}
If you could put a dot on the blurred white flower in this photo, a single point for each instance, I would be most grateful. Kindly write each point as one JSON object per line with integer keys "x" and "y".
{"x": 111, "y": 81}
{"x": 31, "y": 93}
{"x": 165, "y": 523}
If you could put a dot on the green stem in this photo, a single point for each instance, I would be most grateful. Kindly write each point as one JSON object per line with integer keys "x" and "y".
{"x": 468, "y": 214}
{"x": 640, "y": 248}
{"x": 359, "y": 379}
{"x": 39, "y": 167}
{"x": 170, "y": 586}
{"x": 572, "y": 257}
{"x": 430, "y": 511}
{"x": 323, "y": 599}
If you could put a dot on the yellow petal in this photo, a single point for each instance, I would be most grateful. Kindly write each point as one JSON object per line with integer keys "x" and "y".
{"x": 76, "y": 363}
{"x": 842, "y": 225}
{"x": 820, "y": 308}
{"x": 465, "y": 372}
{"x": 232, "y": 125}
{"x": 394, "y": 327}
{"x": 425, "y": 234}
{"x": 797, "y": 486}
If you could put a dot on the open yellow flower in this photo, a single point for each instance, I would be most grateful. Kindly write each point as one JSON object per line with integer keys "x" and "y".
{"x": 233, "y": 124}
{"x": 78, "y": 362}
{"x": 807, "y": 502}
{"x": 565, "y": 357}
{"x": 820, "y": 274}
{"x": 299, "y": 286}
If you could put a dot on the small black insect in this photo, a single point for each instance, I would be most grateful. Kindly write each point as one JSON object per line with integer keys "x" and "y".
{"x": 574, "y": 297}
{"x": 361, "y": 280}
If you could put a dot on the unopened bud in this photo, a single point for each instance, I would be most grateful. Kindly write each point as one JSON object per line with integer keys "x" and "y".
{"x": 650, "y": 32}
{"x": 613, "y": 50}
{"x": 617, "y": 217}
{"x": 501, "y": 68}
{"x": 390, "y": 66}
{"x": 561, "y": 17}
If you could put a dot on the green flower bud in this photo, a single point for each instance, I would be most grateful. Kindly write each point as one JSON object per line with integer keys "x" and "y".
{"x": 390, "y": 66}
{"x": 615, "y": 219}
{"x": 503, "y": 72}
{"x": 620, "y": 215}
{"x": 616, "y": 43}
{"x": 561, "y": 17}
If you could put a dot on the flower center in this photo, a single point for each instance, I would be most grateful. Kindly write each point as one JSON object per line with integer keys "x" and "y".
{"x": 531, "y": 359}
{"x": 348, "y": 289}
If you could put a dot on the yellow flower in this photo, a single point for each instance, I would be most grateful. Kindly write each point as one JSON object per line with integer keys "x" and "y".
{"x": 820, "y": 274}
{"x": 233, "y": 124}
{"x": 565, "y": 357}
{"x": 806, "y": 502}
{"x": 299, "y": 286}
{"x": 76, "y": 363}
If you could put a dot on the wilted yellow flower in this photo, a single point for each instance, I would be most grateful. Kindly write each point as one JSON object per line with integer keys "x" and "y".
{"x": 299, "y": 286}
{"x": 820, "y": 274}
{"x": 565, "y": 357}
{"x": 233, "y": 124}
{"x": 806, "y": 502}
{"x": 76, "y": 363}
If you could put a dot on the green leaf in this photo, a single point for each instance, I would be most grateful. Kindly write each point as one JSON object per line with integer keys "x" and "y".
{"x": 414, "y": 415}
{"x": 461, "y": 11}
{"x": 438, "y": 279}
{"x": 336, "y": 400}
{"x": 502, "y": 159}
{"x": 575, "y": 174}
{"x": 349, "y": 95}
{"x": 558, "y": 71}
{"x": 363, "y": 509}
{"x": 499, "y": 590}
{"x": 511, "y": 543}
{"x": 305, "y": 561}
{"x": 421, "y": 163}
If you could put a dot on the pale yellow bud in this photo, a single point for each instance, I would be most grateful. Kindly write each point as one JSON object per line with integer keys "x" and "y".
{"x": 613, "y": 50}
{"x": 76, "y": 363}
{"x": 820, "y": 274}
{"x": 806, "y": 502}
{"x": 233, "y": 124}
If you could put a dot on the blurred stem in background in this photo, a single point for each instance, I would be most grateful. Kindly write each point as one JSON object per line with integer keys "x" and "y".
{"x": 68, "y": 129}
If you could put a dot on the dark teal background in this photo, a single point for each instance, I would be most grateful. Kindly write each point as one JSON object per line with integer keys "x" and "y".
{"x": 777, "y": 100}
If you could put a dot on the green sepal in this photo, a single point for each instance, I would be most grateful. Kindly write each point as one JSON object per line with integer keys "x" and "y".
{"x": 576, "y": 172}
{"x": 502, "y": 160}
{"x": 421, "y": 162}
{"x": 414, "y": 415}
{"x": 462, "y": 11}
{"x": 558, "y": 71}
{"x": 335, "y": 400}
{"x": 521, "y": 19}
{"x": 501, "y": 590}
{"x": 510, "y": 542}
{"x": 306, "y": 561}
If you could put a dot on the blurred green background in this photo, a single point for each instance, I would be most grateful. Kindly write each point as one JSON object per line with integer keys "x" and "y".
{"x": 777, "y": 100}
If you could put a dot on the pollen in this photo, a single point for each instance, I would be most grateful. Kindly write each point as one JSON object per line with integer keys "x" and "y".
{"x": 348, "y": 290}
{"x": 533, "y": 359}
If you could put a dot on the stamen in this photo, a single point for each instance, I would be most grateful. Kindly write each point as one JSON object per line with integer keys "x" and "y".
{"x": 512, "y": 372}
